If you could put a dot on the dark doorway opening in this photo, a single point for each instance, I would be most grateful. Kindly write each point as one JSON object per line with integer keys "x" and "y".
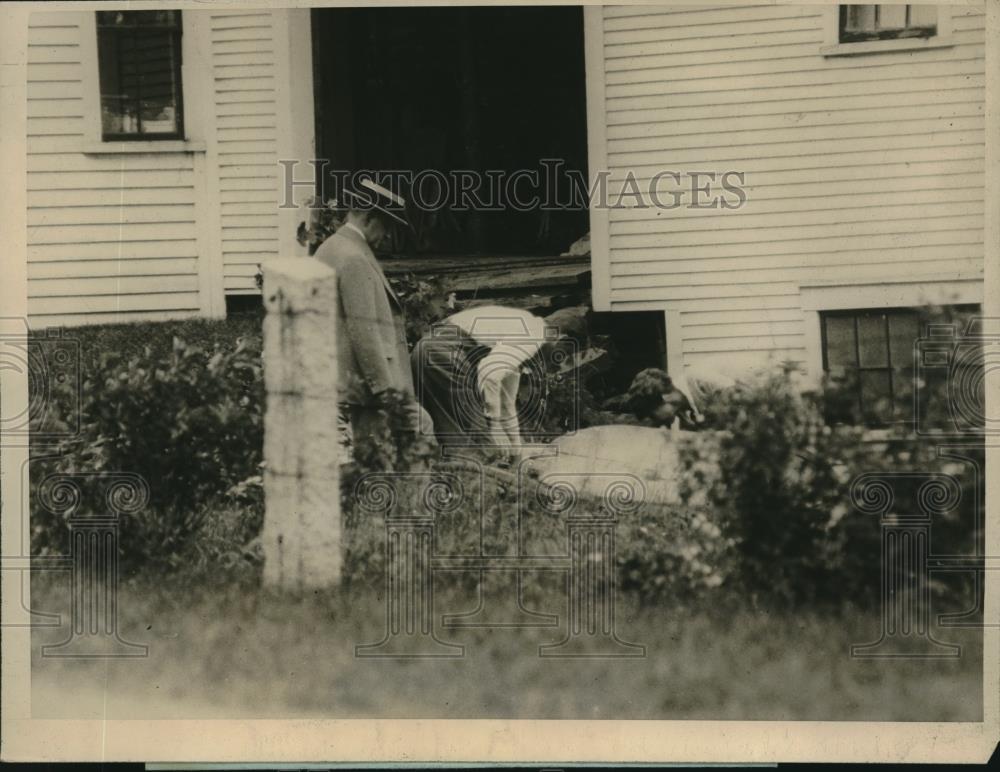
{"x": 447, "y": 89}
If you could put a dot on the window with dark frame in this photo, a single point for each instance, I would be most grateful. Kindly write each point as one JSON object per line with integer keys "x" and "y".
{"x": 869, "y": 355}
{"x": 139, "y": 60}
{"x": 886, "y": 22}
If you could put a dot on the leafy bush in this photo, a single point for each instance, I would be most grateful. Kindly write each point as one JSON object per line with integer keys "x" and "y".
{"x": 424, "y": 300}
{"x": 670, "y": 554}
{"x": 778, "y": 478}
{"x": 189, "y": 422}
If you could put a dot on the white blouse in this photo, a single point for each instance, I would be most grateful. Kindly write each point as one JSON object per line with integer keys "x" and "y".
{"x": 513, "y": 337}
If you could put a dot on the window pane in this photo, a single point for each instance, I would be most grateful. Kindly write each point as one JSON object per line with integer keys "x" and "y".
{"x": 139, "y": 66}
{"x": 841, "y": 398}
{"x": 933, "y": 408}
{"x": 923, "y": 16}
{"x": 967, "y": 381}
{"x": 876, "y": 396}
{"x": 860, "y": 18}
{"x": 892, "y": 16}
{"x": 872, "y": 349}
{"x": 128, "y": 19}
{"x": 157, "y": 106}
{"x": 903, "y": 384}
{"x": 904, "y": 330}
{"x": 840, "y": 352}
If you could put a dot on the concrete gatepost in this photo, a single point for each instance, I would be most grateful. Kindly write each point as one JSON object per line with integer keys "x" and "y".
{"x": 301, "y": 536}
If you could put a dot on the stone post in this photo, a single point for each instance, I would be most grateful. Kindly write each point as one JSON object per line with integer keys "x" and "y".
{"x": 301, "y": 537}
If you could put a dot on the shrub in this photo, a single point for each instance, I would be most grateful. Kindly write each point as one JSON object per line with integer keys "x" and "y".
{"x": 425, "y": 302}
{"x": 778, "y": 479}
{"x": 670, "y": 554}
{"x": 189, "y": 422}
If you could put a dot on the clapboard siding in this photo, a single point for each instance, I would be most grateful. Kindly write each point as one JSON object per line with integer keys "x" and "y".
{"x": 110, "y": 237}
{"x": 246, "y": 108}
{"x": 862, "y": 167}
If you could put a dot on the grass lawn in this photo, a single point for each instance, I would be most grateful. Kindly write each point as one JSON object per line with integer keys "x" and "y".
{"x": 227, "y": 655}
{"x": 224, "y": 649}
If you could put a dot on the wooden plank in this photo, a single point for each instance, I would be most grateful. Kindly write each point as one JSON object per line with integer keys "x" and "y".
{"x": 746, "y": 359}
{"x": 153, "y": 302}
{"x": 265, "y": 106}
{"x": 244, "y": 221}
{"x": 710, "y": 304}
{"x": 111, "y": 215}
{"x": 791, "y": 98}
{"x": 900, "y": 115}
{"x": 182, "y": 194}
{"x": 260, "y": 232}
{"x": 918, "y": 149}
{"x": 669, "y": 59}
{"x": 707, "y": 319}
{"x": 115, "y": 180}
{"x": 747, "y": 221}
{"x": 795, "y": 232}
{"x": 54, "y": 36}
{"x": 681, "y": 269}
{"x": 164, "y": 231}
{"x": 113, "y": 250}
{"x": 127, "y": 266}
{"x": 964, "y": 175}
{"x": 247, "y": 146}
{"x": 243, "y": 134}
{"x": 711, "y": 249}
{"x": 661, "y": 32}
{"x": 47, "y": 73}
{"x": 245, "y": 247}
{"x": 68, "y": 107}
{"x": 121, "y": 164}
{"x": 249, "y": 208}
{"x": 856, "y": 269}
{"x": 248, "y": 54}
{"x": 625, "y": 48}
{"x": 237, "y": 195}
{"x": 249, "y": 72}
{"x": 245, "y": 162}
{"x": 831, "y": 151}
{"x": 58, "y": 126}
{"x": 260, "y": 35}
{"x": 930, "y": 124}
{"x": 668, "y": 18}
{"x": 116, "y": 286}
{"x": 769, "y": 342}
{"x": 791, "y": 109}
{"x": 759, "y": 211}
{"x": 970, "y": 64}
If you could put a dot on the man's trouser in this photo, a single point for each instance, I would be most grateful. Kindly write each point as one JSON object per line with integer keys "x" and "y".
{"x": 445, "y": 375}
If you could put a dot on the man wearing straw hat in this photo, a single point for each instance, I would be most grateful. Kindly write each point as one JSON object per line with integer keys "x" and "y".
{"x": 372, "y": 355}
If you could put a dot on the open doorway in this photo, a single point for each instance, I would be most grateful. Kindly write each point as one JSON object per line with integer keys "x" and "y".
{"x": 455, "y": 88}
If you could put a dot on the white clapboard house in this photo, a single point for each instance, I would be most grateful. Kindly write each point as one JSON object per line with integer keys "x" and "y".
{"x": 859, "y": 131}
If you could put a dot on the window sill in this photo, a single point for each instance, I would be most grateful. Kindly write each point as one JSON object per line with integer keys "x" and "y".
{"x": 141, "y": 147}
{"x": 887, "y": 46}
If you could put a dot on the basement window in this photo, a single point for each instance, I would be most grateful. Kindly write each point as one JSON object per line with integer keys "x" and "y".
{"x": 870, "y": 357}
{"x": 139, "y": 60}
